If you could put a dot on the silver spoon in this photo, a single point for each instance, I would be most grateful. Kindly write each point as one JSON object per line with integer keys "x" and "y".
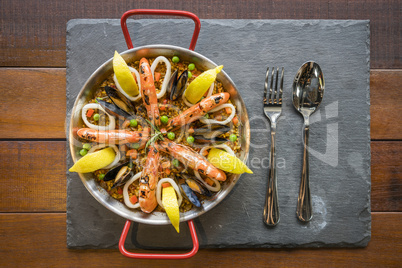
{"x": 308, "y": 90}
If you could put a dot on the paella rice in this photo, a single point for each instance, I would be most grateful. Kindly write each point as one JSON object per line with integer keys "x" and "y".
{"x": 162, "y": 137}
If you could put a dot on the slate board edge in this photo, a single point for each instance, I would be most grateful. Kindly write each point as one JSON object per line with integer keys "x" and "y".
{"x": 362, "y": 243}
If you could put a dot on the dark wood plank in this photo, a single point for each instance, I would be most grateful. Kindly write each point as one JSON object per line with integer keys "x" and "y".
{"x": 27, "y": 113}
{"x": 33, "y": 34}
{"x": 40, "y": 240}
{"x": 386, "y": 176}
{"x": 386, "y": 109}
{"x": 33, "y": 176}
{"x": 36, "y": 179}
{"x": 33, "y": 103}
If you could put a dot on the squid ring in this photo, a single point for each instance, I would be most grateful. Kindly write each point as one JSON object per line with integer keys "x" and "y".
{"x": 224, "y": 122}
{"x": 125, "y": 191}
{"x": 217, "y": 186}
{"x": 159, "y": 190}
{"x": 114, "y": 147}
{"x": 88, "y": 106}
{"x": 137, "y": 75}
{"x": 167, "y": 75}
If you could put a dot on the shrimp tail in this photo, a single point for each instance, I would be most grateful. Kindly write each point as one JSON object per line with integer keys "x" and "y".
{"x": 149, "y": 181}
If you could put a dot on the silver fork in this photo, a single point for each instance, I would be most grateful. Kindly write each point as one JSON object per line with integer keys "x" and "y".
{"x": 272, "y": 109}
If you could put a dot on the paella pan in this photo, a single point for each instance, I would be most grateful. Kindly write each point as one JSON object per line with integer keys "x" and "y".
{"x": 159, "y": 134}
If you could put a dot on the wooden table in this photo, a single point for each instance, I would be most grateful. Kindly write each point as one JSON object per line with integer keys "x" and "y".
{"x": 32, "y": 134}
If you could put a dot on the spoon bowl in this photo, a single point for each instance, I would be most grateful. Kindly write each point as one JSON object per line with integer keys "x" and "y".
{"x": 308, "y": 91}
{"x": 308, "y": 88}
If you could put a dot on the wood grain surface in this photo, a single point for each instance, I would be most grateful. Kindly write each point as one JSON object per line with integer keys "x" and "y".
{"x": 386, "y": 176}
{"x": 33, "y": 103}
{"x": 33, "y": 176}
{"x": 25, "y": 231}
{"x": 386, "y": 108}
{"x": 43, "y": 115}
{"x": 33, "y": 146}
{"x": 34, "y": 33}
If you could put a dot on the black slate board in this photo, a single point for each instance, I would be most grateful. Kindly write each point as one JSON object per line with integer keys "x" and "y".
{"x": 339, "y": 133}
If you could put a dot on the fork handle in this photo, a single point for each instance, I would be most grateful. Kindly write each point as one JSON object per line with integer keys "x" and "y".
{"x": 304, "y": 208}
{"x": 271, "y": 207}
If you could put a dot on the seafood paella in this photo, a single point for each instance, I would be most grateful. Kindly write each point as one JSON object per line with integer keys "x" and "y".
{"x": 160, "y": 134}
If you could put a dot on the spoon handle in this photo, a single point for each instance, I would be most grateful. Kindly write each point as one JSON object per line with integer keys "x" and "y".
{"x": 271, "y": 207}
{"x": 304, "y": 207}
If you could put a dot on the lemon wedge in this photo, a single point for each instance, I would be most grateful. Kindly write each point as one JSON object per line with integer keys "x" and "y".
{"x": 200, "y": 84}
{"x": 227, "y": 162}
{"x": 169, "y": 201}
{"x": 124, "y": 76}
{"x": 94, "y": 161}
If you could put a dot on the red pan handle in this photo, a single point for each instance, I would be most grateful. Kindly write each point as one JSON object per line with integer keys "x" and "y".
{"x": 160, "y": 12}
{"x": 159, "y": 256}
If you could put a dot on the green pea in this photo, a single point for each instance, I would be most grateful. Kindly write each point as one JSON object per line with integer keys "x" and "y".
{"x": 101, "y": 176}
{"x": 191, "y": 66}
{"x": 96, "y": 117}
{"x": 190, "y": 75}
{"x": 175, "y": 59}
{"x": 190, "y": 139}
{"x": 233, "y": 137}
{"x": 135, "y": 145}
{"x": 171, "y": 136}
{"x": 164, "y": 119}
{"x": 83, "y": 152}
{"x": 175, "y": 162}
{"x": 86, "y": 146}
{"x": 133, "y": 123}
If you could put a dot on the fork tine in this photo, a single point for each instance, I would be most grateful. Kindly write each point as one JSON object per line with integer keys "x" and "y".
{"x": 266, "y": 86}
{"x": 276, "y": 87}
{"x": 270, "y": 86}
{"x": 281, "y": 88}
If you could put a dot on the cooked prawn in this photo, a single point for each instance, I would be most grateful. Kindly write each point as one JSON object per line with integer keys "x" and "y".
{"x": 149, "y": 181}
{"x": 191, "y": 159}
{"x": 113, "y": 136}
{"x": 149, "y": 92}
{"x": 198, "y": 110}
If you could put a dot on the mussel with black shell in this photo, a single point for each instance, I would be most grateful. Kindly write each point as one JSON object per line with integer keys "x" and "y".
{"x": 189, "y": 194}
{"x": 191, "y": 185}
{"x": 119, "y": 106}
{"x": 177, "y": 85}
{"x": 120, "y": 100}
{"x": 120, "y": 174}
